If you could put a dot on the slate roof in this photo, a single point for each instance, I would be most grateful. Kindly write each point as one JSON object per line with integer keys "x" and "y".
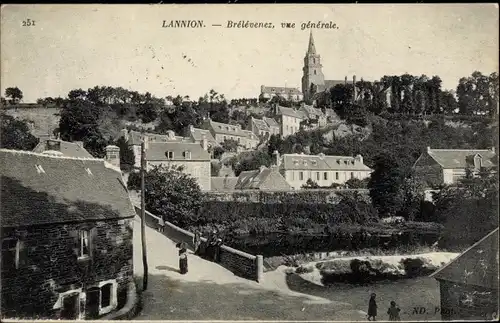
{"x": 227, "y": 129}
{"x": 39, "y": 189}
{"x": 461, "y": 158}
{"x": 321, "y": 162}
{"x": 270, "y": 122}
{"x": 197, "y": 134}
{"x": 70, "y": 149}
{"x": 478, "y": 265}
{"x": 280, "y": 90}
{"x": 311, "y": 111}
{"x": 291, "y": 112}
{"x": 223, "y": 184}
{"x": 260, "y": 124}
{"x": 156, "y": 151}
{"x": 331, "y": 83}
{"x": 135, "y": 137}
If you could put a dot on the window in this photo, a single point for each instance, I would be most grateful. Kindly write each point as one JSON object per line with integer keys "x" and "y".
{"x": 107, "y": 296}
{"x": 238, "y": 140}
{"x": 352, "y": 175}
{"x": 314, "y": 60}
{"x": 187, "y": 155}
{"x": 224, "y": 137}
{"x": 169, "y": 154}
{"x": 10, "y": 254}
{"x": 314, "y": 72}
{"x": 301, "y": 176}
{"x": 84, "y": 248}
{"x": 325, "y": 176}
{"x": 293, "y": 175}
{"x": 336, "y": 175}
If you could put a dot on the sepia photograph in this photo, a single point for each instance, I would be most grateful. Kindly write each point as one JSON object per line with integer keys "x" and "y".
{"x": 249, "y": 162}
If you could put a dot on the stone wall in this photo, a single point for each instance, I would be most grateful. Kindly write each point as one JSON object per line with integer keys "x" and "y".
{"x": 48, "y": 266}
{"x": 238, "y": 262}
{"x": 467, "y": 302}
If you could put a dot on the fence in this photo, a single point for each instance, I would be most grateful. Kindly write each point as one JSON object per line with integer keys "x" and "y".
{"x": 238, "y": 262}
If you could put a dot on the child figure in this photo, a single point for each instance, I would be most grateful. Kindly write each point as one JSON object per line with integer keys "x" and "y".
{"x": 393, "y": 312}
{"x": 372, "y": 308}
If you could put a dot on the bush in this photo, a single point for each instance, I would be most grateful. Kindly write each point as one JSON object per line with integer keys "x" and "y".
{"x": 304, "y": 270}
{"x": 413, "y": 267}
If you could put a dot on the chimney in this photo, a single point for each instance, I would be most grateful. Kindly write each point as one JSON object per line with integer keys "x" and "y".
{"x": 191, "y": 128}
{"x": 113, "y": 155}
{"x": 204, "y": 142}
{"x": 124, "y": 134}
{"x": 493, "y": 149}
{"x": 276, "y": 155}
{"x": 359, "y": 158}
{"x": 428, "y": 149}
{"x": 170, "y": 135}
{"x": 145, "y": 138}
{"x": 53, "y": 144}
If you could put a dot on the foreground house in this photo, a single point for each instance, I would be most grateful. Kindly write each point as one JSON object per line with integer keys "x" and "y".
{"x": 192, "y": 157}
{"x": 66, "y": 236}
{"x": 268, "y": 179}
{"x": 297, "y": 169}
{"x": 448, "y": 166}
{"x": 70, "y": 149}
{"x": 469, "y": 284}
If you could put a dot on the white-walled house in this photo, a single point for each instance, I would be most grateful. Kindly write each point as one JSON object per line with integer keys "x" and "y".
{"x": 297, "y": 169}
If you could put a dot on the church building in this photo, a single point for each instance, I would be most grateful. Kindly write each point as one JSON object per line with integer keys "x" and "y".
{"x": 313, "y": 79}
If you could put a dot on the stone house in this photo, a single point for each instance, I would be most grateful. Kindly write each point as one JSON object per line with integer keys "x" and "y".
{"x": 66, "y": 148}
{"x": 297, "y": 169}
{"x": 287, "y": 93}
{"x": 66, "y": 236}
{"x": 197, "y": 135}
{"x": 289, "y": 120}
{"x": 314, "y": 115}
{"x": 469, "y": 284}
{"x": 264, "y": 128}
{"x": 264, "y": 178}
{"x": 193, "y": 157}
{"x": 448, "y": 166}
{"x": 246, "y": 139}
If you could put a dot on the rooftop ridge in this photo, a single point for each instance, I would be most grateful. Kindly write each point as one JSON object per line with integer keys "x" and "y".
{"x": 12, "y": 151}
{"x": 482, "y": 149}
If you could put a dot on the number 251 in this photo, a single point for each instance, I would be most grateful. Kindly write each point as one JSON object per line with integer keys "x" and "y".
{"x": 28, "y": 23}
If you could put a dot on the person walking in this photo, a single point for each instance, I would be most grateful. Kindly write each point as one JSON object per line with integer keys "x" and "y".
{"x": 196, "y": 241}
{"x": 372, "y": 308}
{"x": 393, "y": 312}
{"x": 161, "y": 224}
{"x": 183, "y": 261}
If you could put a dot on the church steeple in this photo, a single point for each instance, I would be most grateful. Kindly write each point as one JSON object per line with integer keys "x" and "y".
{"x": 311, "y": 49}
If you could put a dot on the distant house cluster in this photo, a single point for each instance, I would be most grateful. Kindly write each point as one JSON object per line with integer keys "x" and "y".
{"x": 265, "y": 127}
{"x": 246, "y": 139}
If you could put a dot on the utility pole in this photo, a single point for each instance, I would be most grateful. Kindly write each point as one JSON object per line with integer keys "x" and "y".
{"x": 143, "y": 218}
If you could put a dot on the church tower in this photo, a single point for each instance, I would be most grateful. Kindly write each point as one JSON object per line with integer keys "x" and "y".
{"x": 312, "y": 73}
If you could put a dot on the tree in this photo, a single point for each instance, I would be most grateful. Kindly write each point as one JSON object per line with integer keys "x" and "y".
{"x": 385, "y": 184}
{"x": 356, "y": 183}
{"x": 250, "y": 160}
{"x": 14, "y": 94}
{"x": 230, "y": 145}
{"x": 469, "y": 211}
{"x": 172, "y": 194}
{"x": 127, "y": 157}
{"x": 15, "y": 134}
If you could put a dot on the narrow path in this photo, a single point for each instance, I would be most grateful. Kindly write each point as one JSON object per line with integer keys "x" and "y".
{"x": 210, "y": 292}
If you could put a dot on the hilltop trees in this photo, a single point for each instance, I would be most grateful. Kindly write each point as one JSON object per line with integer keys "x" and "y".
{"x": 478, "y": 94}
{"x": 14, "y": 95}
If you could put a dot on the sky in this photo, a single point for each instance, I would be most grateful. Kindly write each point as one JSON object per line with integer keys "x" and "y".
{"x": 81, "y": 46}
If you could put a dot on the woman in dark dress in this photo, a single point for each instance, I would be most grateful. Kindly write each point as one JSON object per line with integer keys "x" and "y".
{"x": 183, "y": 261}
{"x": 372, "y": 308}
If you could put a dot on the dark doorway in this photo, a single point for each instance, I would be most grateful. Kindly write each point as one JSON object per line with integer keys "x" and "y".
{"x": 71, "y": 307}
{"x": 92, "y": 310}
